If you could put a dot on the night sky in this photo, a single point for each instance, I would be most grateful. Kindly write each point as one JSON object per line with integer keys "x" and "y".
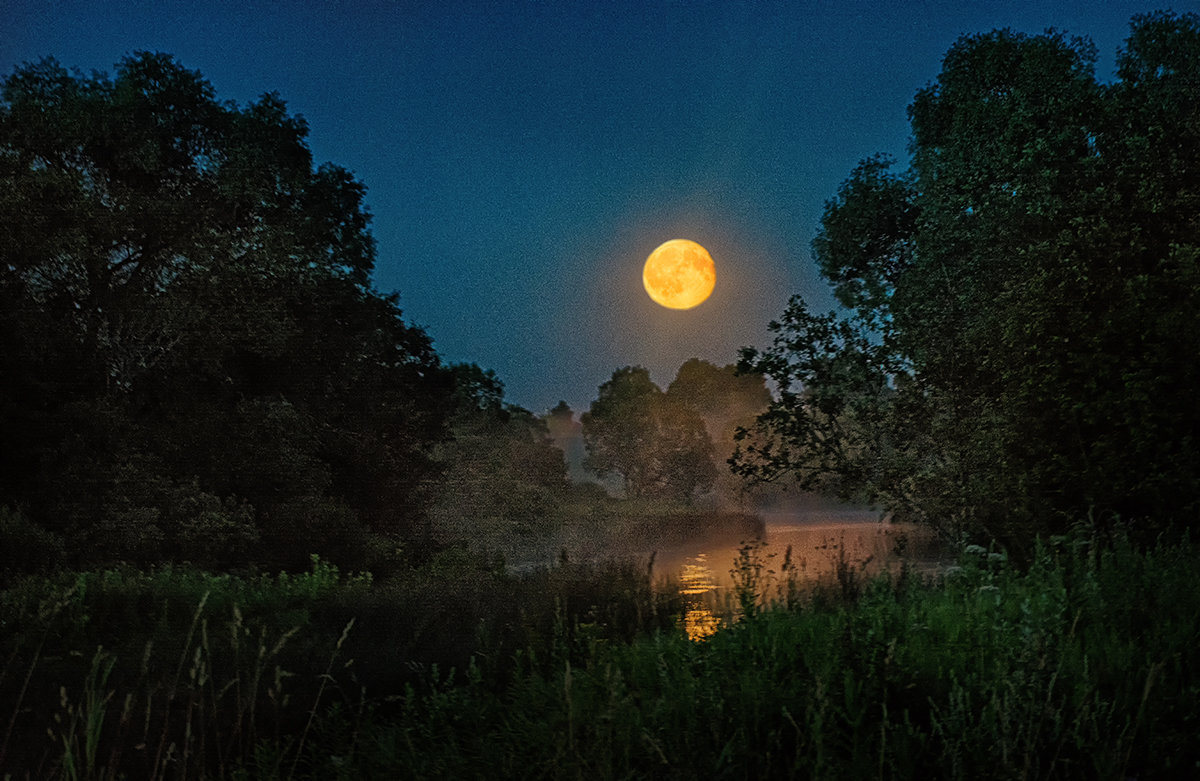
{"x": 523, "y": 158}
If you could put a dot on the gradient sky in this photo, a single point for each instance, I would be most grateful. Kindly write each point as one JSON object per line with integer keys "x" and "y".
{"x": 523, "y": 158}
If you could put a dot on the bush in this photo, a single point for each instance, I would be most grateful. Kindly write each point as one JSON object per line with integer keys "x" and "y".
{"x": 25, "y": 547}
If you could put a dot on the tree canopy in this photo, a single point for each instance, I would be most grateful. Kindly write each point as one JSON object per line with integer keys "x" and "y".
{"x": 194, "y": 363}
{"x": 502, "y": 478}
{"x": 1020, "y": 344}
{"x": 656, "y": 442}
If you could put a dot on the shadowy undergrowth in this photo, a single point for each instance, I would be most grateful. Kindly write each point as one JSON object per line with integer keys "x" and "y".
{"x": 1083, "y": 665}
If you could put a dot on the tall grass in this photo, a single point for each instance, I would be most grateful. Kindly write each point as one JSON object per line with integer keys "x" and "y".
{"x": 1079, "y": 667}
{"x": 1084, "y": 665}
{"x": 184, "y": 676}
{"x": 177, "y": 672}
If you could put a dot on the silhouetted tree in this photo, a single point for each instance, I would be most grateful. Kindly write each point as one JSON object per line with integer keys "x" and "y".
{"x": 190, "y": 348}
{"x": 561, "y": 417}
{"x": 657, "y": 444}
{"x": 1023, "y": 343}
{"x": 726, "y": 401}
{"x": 501, "y": 477}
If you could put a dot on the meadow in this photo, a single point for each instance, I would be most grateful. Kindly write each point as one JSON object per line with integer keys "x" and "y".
{"x": 1081, "y": 665}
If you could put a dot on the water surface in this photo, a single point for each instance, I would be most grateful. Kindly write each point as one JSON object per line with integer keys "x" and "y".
{"x": 805, "y": 545}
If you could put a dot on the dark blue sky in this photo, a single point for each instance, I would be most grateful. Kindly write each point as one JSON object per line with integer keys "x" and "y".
{"x": 523, "y": 158}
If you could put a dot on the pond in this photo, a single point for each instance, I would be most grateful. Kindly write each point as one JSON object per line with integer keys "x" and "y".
{"x": 807, "y": 545}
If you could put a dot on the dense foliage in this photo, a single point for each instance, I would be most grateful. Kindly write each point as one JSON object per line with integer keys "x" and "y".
{"x": 726, "y": 401}
{"x": 503, "y": 482}
{"x": 656, "y": 443}
{"x": 671, "y": 443}
{"x": 1021, "y": 343}
{"x": 193, "y": 363}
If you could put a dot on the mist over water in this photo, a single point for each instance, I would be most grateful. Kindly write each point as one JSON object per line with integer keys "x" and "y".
{"x": 818, "y": 540}
{"x": 701, "y": 546}
{"x": 812, "y": 542}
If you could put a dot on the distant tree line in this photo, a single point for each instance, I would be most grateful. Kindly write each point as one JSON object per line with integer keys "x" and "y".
{"x": 671, "y": 444}
{"x": 1019, "y": 349}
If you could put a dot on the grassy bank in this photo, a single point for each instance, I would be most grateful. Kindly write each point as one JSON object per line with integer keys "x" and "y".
{"x": 1086, "y": 665}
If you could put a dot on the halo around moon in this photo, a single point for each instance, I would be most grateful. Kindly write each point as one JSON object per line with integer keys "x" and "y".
{"x": 679, "y": 274}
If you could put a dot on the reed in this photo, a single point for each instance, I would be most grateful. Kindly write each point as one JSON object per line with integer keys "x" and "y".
{"x": 186, "y": 702}
{"x": 1083, "y": 665}
{"x": 986, "y": 672}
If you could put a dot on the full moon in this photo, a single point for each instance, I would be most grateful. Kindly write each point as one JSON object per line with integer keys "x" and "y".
{"x": 680, "y": 274}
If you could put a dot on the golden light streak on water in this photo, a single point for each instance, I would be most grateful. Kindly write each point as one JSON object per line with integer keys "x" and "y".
{"x": 700, "y": 623}
{"x": 696, "y": 580}
{"x": 796, "y": 553}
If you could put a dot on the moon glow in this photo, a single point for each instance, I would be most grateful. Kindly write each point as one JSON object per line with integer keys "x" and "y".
{"x": 680, "y": 274}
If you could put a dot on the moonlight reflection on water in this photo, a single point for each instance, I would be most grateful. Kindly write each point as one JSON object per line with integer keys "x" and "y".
{"x": 696, "y": 581}
{"x": 820, "y": 545}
